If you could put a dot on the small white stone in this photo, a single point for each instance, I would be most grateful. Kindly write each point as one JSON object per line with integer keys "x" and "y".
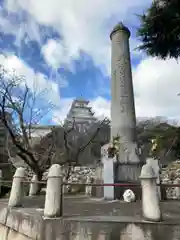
{"x": 129, "y": 196}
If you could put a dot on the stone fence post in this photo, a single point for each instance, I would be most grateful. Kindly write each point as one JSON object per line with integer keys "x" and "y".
{"x": 155, "y": 165}
{"x": 53, "y": 197}
{"x": 34, "y": 186}
{"x": 150, "y": 199}
{"x": 16, "y": 195}
{"x": 177, "y": 189}
{"x": 88, "y": 189}
{"x": 1, "y": 178}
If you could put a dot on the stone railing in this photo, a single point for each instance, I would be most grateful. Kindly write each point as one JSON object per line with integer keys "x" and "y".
{"x": 54, "y": 191}
{"x": 53, "y": 182}
{"x": 78, "y": 174}
{"x": 171, "y": 175}
{"x": 53, "y": 207}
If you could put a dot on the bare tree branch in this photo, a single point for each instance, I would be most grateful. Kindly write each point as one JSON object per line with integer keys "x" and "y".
{"x": 22, "y": 103}
{"x": 19, "y": 101}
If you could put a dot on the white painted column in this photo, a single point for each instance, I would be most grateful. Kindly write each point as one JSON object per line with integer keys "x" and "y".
{"x": 108, "y": 172}
{"x": 108, "y": 164}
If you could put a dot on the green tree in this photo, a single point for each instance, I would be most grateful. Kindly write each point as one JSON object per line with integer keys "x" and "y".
{"x": 159, "y": 30}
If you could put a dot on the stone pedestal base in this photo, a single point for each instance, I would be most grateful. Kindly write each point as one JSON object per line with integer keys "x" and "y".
{"x": 98, "y": 191}
{"x": 127, "y": 173}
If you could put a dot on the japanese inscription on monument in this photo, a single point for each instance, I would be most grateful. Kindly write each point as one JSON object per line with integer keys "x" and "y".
{"x": 120, "y": 72}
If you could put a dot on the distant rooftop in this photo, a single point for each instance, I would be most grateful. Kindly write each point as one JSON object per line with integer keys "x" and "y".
{"x": 80, "y": 100}
{"x": 80, "y": 111}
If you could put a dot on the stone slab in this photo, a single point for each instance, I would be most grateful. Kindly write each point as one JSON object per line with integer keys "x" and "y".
{"x": 120, "y": 219}
{"x": 3, "y": 215}
{"x": 80, "y": 210}
{"x": 3, "y": 232}
{"x": 13, "y": 235}
{"x": 24, "y": 222}
{"x": 123, "y": 231}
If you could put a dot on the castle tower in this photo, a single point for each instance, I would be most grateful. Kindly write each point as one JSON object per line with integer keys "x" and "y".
{"x": 81, "y": 113}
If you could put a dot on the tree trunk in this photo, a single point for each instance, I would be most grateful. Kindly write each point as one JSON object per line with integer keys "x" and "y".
{"x": 68, "y": 172}
{"x": 67, "y": 177}
{"x": 40, "y": 186}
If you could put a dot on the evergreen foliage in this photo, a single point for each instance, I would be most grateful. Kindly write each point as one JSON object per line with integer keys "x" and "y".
{"x": 159, "y": 29}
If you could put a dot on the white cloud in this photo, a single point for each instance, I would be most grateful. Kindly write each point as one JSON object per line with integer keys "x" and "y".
{"x": 59, "y": 115}
{"x": 22, "y": 30}
{"x": 83, "y": 26}
{"x": 156, "y": 85}
{"x": 52, "y": 52}
{"x": 36, "y": 81}
{"x": 55, "y": 54}
{"x": 101, "y": 107}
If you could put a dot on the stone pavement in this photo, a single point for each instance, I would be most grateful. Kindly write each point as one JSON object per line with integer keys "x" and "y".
{"x": 80, "y": 205}
{"x": 82, "y": 215}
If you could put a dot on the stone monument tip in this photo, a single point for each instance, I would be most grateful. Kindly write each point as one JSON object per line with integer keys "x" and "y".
{"x": 120, "y": 27}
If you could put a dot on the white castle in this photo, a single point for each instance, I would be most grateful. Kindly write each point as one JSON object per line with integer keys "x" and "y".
{"x": 81, "y": 113}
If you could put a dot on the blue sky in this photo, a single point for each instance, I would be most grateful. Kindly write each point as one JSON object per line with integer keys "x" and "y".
{"x": 64, "y": 47}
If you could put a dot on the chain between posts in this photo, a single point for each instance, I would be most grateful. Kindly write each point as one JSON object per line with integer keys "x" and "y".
{"x": 24, "y": 181}
{"x": 131, "y": 185}
{"x": 94, "y": 185}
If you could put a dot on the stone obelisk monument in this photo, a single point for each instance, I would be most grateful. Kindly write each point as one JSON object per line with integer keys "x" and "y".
{"x": 123, "y": 118}
{"x": 127, "y": 166}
